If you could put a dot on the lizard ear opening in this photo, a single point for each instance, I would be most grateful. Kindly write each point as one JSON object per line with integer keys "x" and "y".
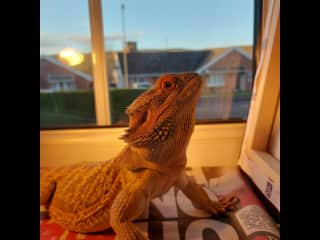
{"x": 136, "y": 125}
{"x": 155, "y": 130}
{"x": 136, "y": 119}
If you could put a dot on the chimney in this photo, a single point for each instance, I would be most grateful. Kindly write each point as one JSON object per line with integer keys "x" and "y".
{"x": 131, "y": 46}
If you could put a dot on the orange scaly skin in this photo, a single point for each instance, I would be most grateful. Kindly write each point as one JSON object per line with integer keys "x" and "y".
{"x": 91, "y": 197}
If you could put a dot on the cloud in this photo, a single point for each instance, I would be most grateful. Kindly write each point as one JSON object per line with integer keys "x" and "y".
{"x": 119, "y": 36}
{"x": 51, "y": 43}
{"x": 79, "y": 38}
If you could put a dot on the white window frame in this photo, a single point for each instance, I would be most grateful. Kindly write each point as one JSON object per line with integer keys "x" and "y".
{"x": 256, "y": 158}
{"x": 101, "y": 86}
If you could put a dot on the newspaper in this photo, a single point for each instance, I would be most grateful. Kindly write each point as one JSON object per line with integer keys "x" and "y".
{"x": 174, "y": 216}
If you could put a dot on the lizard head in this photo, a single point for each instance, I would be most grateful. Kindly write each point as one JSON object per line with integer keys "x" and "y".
{"x": 164, "y": 115}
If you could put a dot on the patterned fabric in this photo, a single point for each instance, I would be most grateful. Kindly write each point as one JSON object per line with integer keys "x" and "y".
{"x": 174, "y": 217}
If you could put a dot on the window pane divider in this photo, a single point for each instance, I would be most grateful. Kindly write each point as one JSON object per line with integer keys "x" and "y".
{"x": 100, "y": 80}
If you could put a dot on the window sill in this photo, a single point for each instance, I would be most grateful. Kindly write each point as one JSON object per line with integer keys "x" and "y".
{"x": 210, "y": 145}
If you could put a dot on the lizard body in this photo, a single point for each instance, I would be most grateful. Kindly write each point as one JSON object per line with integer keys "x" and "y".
{"x": 90, "y": 197}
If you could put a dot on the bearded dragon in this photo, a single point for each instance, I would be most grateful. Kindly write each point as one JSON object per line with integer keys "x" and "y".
{"x": 91, "y": 197}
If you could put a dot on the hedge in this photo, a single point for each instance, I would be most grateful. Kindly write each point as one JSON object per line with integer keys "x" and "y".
{"x": 120, "y": 99}
{"x": 76, "y": 107}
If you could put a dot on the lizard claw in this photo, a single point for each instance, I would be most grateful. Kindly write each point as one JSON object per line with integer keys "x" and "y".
{"x": 230, "y": 203}
{"x": 224, "y": 204}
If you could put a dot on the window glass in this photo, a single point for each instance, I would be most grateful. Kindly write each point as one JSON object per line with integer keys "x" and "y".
{"x": 66, "y": 94}
{"x": 145, "y": 39}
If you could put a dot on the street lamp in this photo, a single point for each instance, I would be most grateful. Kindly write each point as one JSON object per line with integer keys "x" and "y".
{"x": 125, "y": 61}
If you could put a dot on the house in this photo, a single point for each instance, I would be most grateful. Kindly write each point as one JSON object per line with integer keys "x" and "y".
{"x": 147, "y": 66}
{"x": 56, "y": 76}
{"x": 227, "y": 70}
{"x": 223, "y": 69}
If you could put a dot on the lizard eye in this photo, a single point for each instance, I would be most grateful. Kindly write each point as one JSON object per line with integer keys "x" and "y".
{"x": 168, "y": 85}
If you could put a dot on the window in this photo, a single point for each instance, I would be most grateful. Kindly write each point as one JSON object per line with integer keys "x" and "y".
{"x": 250, "y": 77}
{"x": 242, "y": 81}
{"x": 147, "y": 44}
{"x": 61, "y": 82}
{"x": 66, "y": 96}
{"x": 216, "y": 80}
{"x": 137, "y": 45}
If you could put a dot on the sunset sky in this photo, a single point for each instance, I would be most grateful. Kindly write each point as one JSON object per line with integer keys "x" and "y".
{"x": 153, "y": 24}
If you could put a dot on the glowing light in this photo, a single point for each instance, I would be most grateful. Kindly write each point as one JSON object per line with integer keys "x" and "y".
{"x": 71, "y": 56}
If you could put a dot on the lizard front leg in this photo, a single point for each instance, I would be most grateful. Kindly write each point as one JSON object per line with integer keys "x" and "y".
{"x": 198, "y": 196}
{"x": 127, "y": 206}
